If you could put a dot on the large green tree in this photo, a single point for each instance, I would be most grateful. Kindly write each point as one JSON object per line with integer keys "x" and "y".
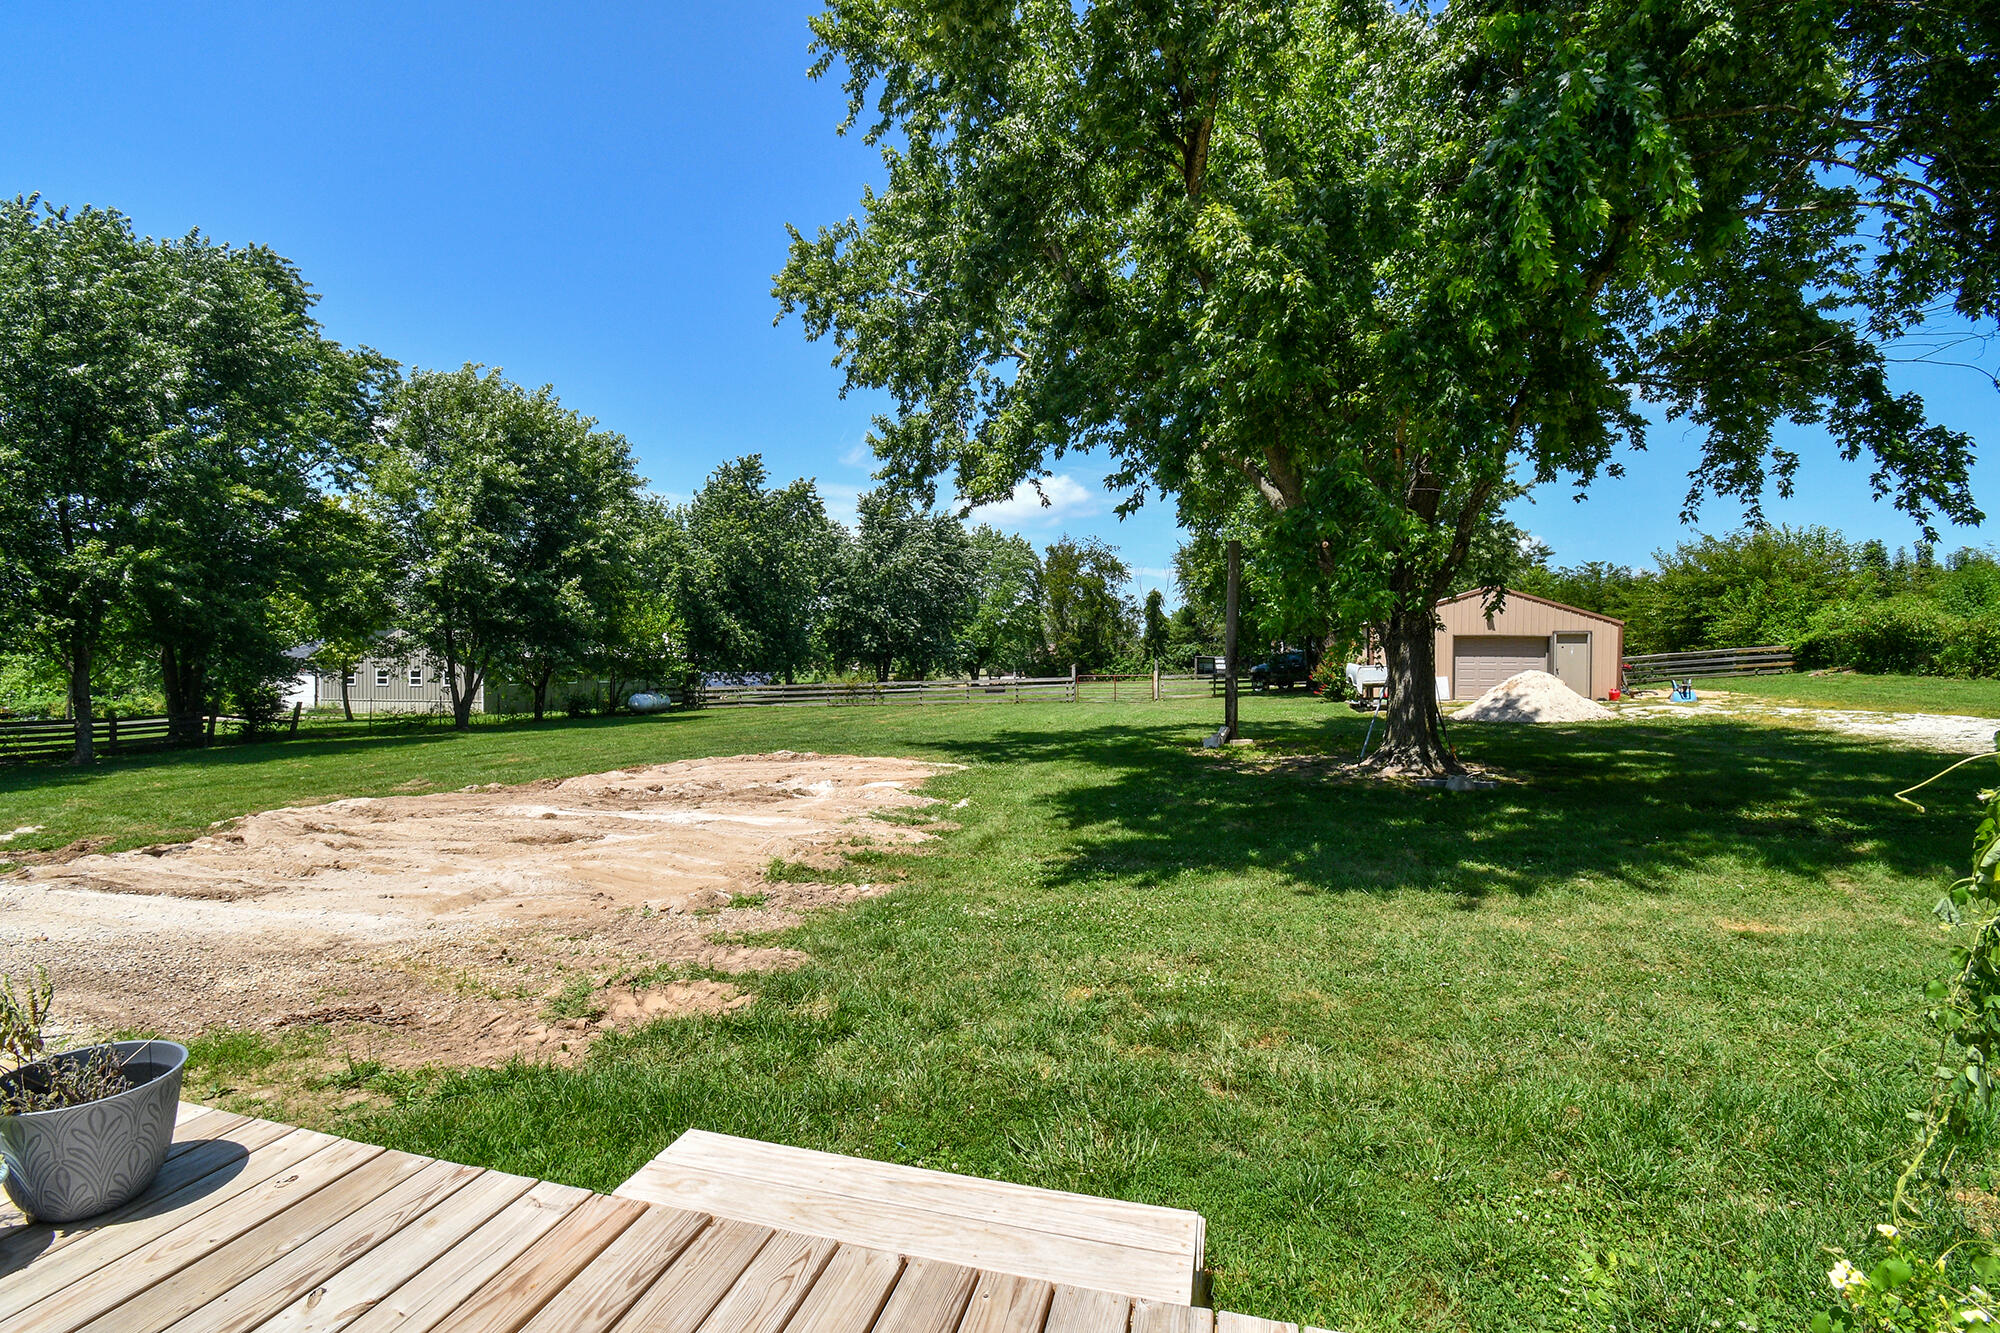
{"x": 1005, "y": 631}
{"x": 166, "y": 412}
{"x": 1369, "y": 265}
{"x": 902, "y": 589}
{"x": 1087, "y": 620}
{"x": 756, "y": 561}
{"x": 502, "y": 507}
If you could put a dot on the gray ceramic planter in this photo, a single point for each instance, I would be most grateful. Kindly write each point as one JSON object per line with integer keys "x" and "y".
{"x": 82, "y": 1160}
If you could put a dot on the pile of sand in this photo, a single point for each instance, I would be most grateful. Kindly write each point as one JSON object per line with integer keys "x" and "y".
{"x": 1533, "y": 696}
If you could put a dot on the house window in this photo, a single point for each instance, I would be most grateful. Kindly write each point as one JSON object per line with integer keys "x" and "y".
{"x": 381, "y": 678}
{"x": 416, "y": 678}
{"x": 348, "y": 679}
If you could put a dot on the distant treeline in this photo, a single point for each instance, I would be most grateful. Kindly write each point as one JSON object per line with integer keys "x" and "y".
{"x": 1836, "y": 602}
{"x": 195, "y": 483}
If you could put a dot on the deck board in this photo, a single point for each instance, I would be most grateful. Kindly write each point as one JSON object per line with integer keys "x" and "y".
{"x": 250, "y": 1301}
{"x": 267, "y": 1243}
{"x": 850, "y": 1293}
{"x": 771, "y": 1288}
{"x": 1108, "y": 1244}
{"x": 610, "y": 1284}
{"x": 257, "y": 1227}
{"x": 681, "y": 1298}
{"x": 146, "y": 1243}
{"x": 518, "y": 1293}
{"x": 179, "y": 1188}
{"x": 454, "y": 1276}
{"x": 930, "y": 1297}
{"x": 339, "y": 1300}
{"x": 1007, "y": 1303}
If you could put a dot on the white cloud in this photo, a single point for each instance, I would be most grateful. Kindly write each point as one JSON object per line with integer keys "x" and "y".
{"x": 859, "y": 455}
{"x": 1066, "y": 499}
{"x": 841, "y": 498}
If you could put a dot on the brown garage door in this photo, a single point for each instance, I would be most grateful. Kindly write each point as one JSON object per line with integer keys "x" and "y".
{"x": 1481, "y": 661}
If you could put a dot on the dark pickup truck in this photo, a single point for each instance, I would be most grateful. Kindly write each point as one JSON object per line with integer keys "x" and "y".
{"x": 1284, "y": 671}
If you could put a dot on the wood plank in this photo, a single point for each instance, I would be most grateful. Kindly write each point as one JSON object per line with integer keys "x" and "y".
{"x": 1004, "y": 1303}
{"x": 1155, "y": 1317}
{"x": 423, "y": 1301}
{"x": 850, "y": 1293}
{"x": 1228, "y": 1321}
{"x": 341, "y": 1299}
{"x": 929, "y": 1298}
{"x": 772, "y": 1287}
{"x": 705, "y": 1270}
{"x": 250, "y": 1301}
{"x": 1150, "y": 1226}
{"x": 545, "y": 1268}
{"x": 1104, "y": 1244}
{"x": 267, "y": 1243}
{"x": 107, "y": 1240}
{"x": 599, "y": 1296}
{"x": 1080, "y": 1310}
{"x": 202, "y": 1162}
{"x": 195, "y": 1121}
{"x": 108, "y": 1288}
{"x": 923, "y": 1233}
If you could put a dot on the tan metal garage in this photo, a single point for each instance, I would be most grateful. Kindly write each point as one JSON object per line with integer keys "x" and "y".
{"x": 1528, "y": 634}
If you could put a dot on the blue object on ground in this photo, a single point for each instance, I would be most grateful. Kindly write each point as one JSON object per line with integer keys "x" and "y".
{"x": 1683, "y": 691}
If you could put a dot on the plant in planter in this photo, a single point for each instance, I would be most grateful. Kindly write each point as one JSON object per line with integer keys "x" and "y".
{"x": 81, "y": 1131}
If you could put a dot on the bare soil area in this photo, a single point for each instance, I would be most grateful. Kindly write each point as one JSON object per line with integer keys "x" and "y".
{"x": 466, "y": 927}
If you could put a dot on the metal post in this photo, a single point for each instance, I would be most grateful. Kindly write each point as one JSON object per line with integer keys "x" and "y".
{"x": 1229, "y": 640}
{"x": 1156, "y": 680}
{"x": 1075, "y": 695}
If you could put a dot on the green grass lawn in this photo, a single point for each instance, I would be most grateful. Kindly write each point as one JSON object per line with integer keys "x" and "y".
{"x": 1624, "y": 1043}
{"x": 1901, "y": 694}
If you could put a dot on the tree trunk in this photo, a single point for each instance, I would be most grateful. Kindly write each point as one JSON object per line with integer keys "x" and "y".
{"x": 79, "y": 703}
{"x": 346, "y": 704}
{"x": 461, "y": 698}
{"x": 184, "y": 682}
{"x": 541, "y": 688}
{"x": 1413, "y": 731}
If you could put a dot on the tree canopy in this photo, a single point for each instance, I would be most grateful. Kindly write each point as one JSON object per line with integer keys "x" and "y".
{"x": 1353, "y": 271}
{"x": 167, "y": 410}
{"x": 503, "y": 509}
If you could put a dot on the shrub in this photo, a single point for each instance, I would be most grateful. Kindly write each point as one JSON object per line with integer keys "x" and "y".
{"x": 1901, "y": 634}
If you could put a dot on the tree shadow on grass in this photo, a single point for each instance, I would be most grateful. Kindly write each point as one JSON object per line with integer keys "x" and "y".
{"x": 1634, "y": 802}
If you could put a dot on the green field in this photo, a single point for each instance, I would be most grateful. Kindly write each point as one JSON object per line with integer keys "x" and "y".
{"x": 1624, "y": 1042}
{"x": 1903, "y": 694}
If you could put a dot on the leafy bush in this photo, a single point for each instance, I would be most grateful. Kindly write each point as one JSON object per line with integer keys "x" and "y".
{"x": 1911, "y": 634}
{"x": 1902, "y": 634}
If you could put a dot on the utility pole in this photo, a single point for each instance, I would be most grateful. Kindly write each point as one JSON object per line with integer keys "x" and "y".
{"x": 1229, "y": 641}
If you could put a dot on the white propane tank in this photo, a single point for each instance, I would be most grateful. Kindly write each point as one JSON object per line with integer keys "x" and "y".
{"x": 648, "y": 703}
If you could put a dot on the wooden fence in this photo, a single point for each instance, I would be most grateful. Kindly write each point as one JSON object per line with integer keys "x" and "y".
{"x": 1772, "y": 659}
{"x": 996, "y": 690}
{"x": 109, "y": 734}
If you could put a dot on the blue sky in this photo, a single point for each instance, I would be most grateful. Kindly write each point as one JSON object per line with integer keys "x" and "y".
{"x": 595, "y": 196}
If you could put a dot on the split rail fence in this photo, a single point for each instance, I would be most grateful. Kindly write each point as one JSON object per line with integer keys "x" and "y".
{"x": 109, "y": 734}
{"x": 1772, "y": 659}
{"x": 993, "y": 690}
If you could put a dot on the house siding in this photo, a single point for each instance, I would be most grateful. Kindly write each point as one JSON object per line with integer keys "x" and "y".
{"x": 397, "y": 696}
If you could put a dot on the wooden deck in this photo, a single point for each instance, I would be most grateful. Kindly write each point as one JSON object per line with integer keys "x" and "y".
{"x": 1132, "y": 1249}
{"x": 256, "y": 1225}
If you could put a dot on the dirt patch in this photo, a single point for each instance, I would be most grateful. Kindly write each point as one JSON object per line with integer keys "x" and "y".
{"x": 449, "y": 926}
